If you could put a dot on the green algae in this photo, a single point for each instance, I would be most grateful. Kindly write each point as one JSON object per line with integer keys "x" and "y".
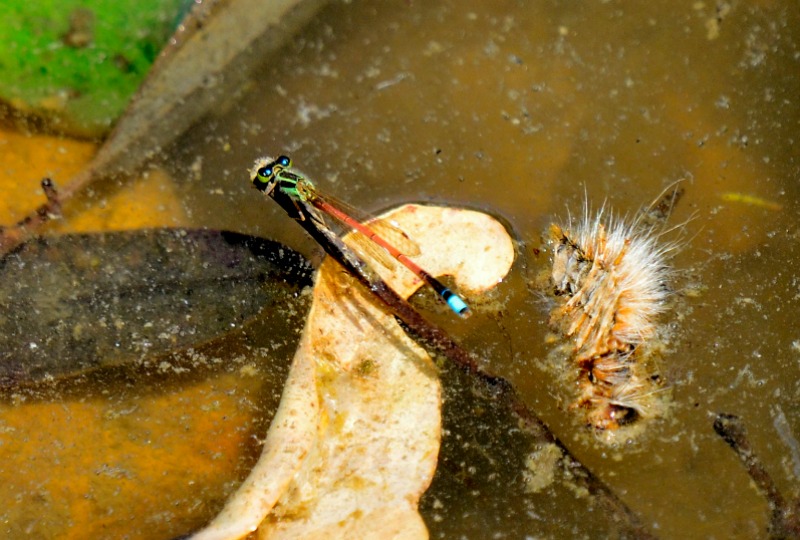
{"x": 76, "y": 63}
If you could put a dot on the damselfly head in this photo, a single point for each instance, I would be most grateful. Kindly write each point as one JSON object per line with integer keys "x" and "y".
{"x": 266, "y": 170}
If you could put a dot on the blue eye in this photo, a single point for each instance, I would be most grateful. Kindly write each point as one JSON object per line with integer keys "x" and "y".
{"x": 285, "y": 161}
{"x": 265, "y": 172}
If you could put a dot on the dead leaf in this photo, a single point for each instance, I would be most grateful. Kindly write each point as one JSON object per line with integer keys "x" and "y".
{"x": 78, "y": 303}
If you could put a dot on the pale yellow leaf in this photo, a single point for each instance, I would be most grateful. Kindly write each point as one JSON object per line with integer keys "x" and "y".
{"x": 356, "y": 439}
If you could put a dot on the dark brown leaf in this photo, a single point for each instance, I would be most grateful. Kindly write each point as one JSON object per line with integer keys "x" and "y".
{"x": 76, "y": 303}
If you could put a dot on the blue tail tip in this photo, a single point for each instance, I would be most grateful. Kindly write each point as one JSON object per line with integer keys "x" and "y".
{"x": 458, "y": 305}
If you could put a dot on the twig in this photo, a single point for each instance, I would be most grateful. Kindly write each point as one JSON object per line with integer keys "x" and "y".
{"x": 785, "y": 519}
{"x": 13, "y": 236}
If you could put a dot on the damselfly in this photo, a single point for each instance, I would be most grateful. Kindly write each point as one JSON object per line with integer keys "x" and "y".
{"x": 276, "y": 177}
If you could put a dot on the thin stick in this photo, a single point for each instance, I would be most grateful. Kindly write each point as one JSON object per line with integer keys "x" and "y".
{"x": 15, "y": 235}
{"x": 785, "y": 521}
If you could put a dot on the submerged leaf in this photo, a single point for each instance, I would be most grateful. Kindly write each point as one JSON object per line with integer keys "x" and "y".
{"x": 77, "y": 303}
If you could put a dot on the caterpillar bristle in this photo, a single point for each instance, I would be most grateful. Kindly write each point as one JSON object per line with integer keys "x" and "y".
{"x": 610, "y": 276}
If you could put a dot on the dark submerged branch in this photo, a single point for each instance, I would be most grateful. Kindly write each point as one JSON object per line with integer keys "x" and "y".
{"x": 785, "y": 518}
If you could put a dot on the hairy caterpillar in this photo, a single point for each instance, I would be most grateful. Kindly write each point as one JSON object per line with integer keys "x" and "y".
{"x": 611, "y": 276}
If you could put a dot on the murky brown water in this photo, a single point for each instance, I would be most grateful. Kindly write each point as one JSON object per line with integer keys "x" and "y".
{"x": 522, "y": 108}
